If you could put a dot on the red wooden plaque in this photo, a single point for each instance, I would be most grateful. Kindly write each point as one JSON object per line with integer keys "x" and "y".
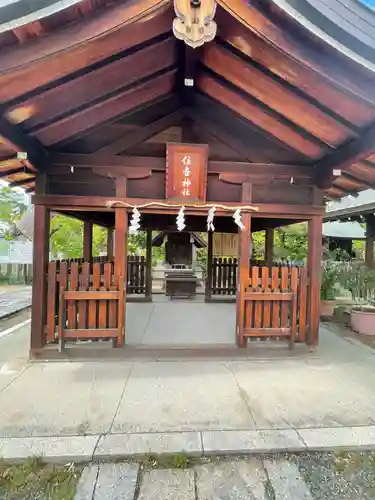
{"x": 186, "y": 172}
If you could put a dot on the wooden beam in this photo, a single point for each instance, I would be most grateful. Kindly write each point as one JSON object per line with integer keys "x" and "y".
{"x": 80, "y": 45}
{"x": 341, "y": 73}
{"x": 269, "y": 245}
{"x": 313, "y": 267}
{"x": 121, "y": 246}
{"x": 40, "y": 266}
{"x": 101, "y": 112}
{"x": 22, "y": 182}
{"x": 110, "y": 244}
{"x": 95, "y": 202}
{"x": 149, "y": 264}
{"x": 370, "y": 239}
{"x": 272, "y": 93}
{"x": 351, "y": 152}
{"x": 61, "y": 163}
{"x": 37, "y": 155}
{"x": 244, "y": 242}
{"x": 95, "y": 85}
{"x": 142, "y": 134}
{"x": 87, "y": 241}
{"x": 254, "y": 114}
{"x": 303, "y": 73}
{"x": 208, "y": 288}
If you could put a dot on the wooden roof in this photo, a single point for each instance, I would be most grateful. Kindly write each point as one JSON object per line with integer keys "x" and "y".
{"x": 108, "y": 76}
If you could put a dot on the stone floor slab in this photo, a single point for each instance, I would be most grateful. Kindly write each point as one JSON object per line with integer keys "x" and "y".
{"x": 114, "y": 446}
{"x": 87, "y": 482}
{"x": 63, "y": 399}
{"x": 167, "y": 485}
{"x": 251, "y": 441}
{"x": 233, "y": 480}
{"x": 60, "y": 449}
{"x": 339, "y": 437}
{"x": 286, "y": 481}
{"x": 179, "y": 396}
{"x": 116, "y": 482}
{"x": 185, "y": 323}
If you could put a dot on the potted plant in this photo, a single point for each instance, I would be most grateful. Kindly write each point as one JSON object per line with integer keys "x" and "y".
{"x": 360, "y": 281}
{"x": 329, "y": 287}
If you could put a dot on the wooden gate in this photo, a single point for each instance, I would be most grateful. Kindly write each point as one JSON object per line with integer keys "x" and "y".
{"x": 272, "y": 304}
{"x": 84, "y": 302}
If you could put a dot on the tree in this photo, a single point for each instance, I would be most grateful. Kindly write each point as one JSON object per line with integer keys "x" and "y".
{"x": 67, "y": 238}
{"x": 12, "y": 207}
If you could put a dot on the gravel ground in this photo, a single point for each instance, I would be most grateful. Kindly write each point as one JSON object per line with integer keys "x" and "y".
{"x": 345, "y": 476}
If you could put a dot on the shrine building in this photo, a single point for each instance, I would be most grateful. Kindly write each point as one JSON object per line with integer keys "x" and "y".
{"x": 200, "y": 122}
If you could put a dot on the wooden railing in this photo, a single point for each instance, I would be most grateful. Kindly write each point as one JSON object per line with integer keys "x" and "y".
{"x": 136, "y": 279}
{"x": 224, "y": 276}
{"x": 273, "y": 304}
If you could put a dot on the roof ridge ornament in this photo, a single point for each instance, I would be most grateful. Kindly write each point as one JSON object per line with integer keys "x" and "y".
{"x": 194, "y": 23}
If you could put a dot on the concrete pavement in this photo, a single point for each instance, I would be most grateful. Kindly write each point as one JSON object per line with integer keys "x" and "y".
{"x": 14, "y": 298}
{"x": 86, "y": 410}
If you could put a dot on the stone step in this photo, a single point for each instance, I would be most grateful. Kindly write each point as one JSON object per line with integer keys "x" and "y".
{"x": 286, "y": 480}
{"x": 108, "y": 482}
{"x": 167, "y": 484}
{"x": 232, "y": 480}
{"x": 242, "y": 479}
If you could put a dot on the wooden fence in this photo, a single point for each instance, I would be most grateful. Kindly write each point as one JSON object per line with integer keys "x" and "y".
{"x": 136, "y": 279}
{"x": 273, "y": 304}
{"x": 224, "y": 274}
{"x": 16, "y": 274}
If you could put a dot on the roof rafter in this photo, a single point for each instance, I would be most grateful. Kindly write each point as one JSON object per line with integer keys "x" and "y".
{"x": 20, "y": 142}
{"x": 345, "y": 78}
{"x": 82, "y": 121}
{"x": 143, "y": 133}
{"x": 53, "y": 57}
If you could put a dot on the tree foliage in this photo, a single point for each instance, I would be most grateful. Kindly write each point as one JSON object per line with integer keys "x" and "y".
{"x": 12, "y": 207}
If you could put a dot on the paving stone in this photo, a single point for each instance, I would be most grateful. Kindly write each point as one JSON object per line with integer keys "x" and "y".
{"x": 54, "y": 449}
{"x": 234, "y": 480}
{"x": 286, "y": 481}
{"x": 86, "y": 483}
{"x": 116, "y": 482}
{"x": 252, "y": 441}
{"x": 167, "y": 485}
{"x": 122, "y": 445}
{"x": 339, "y": 437}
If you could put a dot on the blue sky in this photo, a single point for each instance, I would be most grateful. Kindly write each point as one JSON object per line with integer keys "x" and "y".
{"x": 369, "y": 3}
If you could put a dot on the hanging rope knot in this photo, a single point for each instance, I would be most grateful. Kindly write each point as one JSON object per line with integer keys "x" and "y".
{"x": 134, "y": 223}
{"x": 210, "y": 219}
{"x": 238, "y": 219}
{"x": 180, "y": 220}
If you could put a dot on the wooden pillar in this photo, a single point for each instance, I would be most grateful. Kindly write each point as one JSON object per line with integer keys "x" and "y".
{"x": 314, "y": 271}
{"x": 87, "y": 241}
{"x": 370, "y": 236}
{"x": 110, "y": 244}
{"x": 244, "y": 244}
{"x": 149, "y": 265}
{"x": 268, "y": 254}
{"x": 40, "y": 268}
{"x": 208, "y": 289}
{"x": 121, "y": 244}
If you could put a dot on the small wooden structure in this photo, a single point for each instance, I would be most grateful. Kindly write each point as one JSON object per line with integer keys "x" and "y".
{"x": 352, "y": 211}
{"x": 106, "y": 107}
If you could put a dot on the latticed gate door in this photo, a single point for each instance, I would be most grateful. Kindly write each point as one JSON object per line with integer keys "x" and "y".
{"x": 273, "y": 304}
